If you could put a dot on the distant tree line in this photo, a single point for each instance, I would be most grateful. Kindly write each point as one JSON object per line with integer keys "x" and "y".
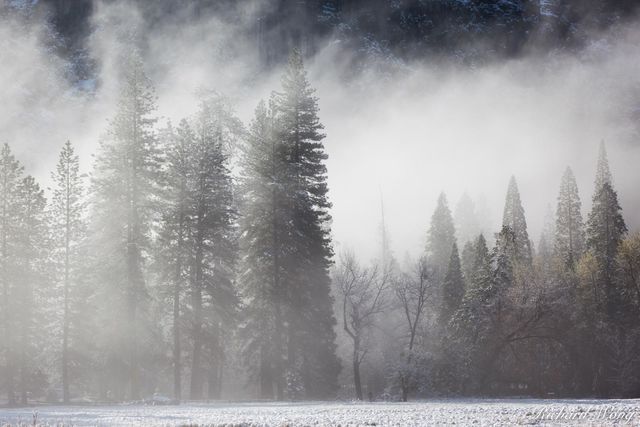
{"x": 195, "y": 261}
{"x": 502, "y": 318}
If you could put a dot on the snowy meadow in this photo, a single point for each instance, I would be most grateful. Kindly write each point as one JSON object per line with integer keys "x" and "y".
{"x": 488, "y": 412}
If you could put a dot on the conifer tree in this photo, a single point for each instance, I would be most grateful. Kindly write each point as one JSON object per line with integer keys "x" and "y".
{"x": 514, "y": 218}
{"x": 10, "y": 178}
{"x": 263, "y": 225}
{"x": 453, "y": 288}
{"x": 125, "y": 188}
{"x": 68, "y": 233}
{"x": 473, "y": 323}
{"x": 569, "y": 242}
{"x": 213, "y": 239}
{"x": 311, "y": 344}
{"x": 174, "y": 234}
{"x": 547, "y": 237}
{"x": 32, "y": 246}
{"x": 504, "y": 256}
{"x": 605, "y": 230}
{"x": 467, "y": 260}
{"x": 441, "y": 238}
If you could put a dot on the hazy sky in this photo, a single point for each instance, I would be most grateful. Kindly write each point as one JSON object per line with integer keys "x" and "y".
{"x": 406, "y": 135}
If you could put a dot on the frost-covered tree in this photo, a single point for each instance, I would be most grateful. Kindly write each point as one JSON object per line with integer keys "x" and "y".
{"x": 32, "y": 251}
{"x": 547, "y": 237}
{"x": 67, "y": 212}
{"x": 472, "y": 322}
{"x": 605, "y": 230}
{"x": 363, "y": 296}
{"x": 125, "y": 192}
{"x": 440, "y": 239}
{"x": 467, "y": 260}
{"x": 569, "y": 243}
{"x": 413, "y": 291}
{"x": 514, "y": 218}
{"x": 453, "y": 288}
{"x": 10, "y": 178}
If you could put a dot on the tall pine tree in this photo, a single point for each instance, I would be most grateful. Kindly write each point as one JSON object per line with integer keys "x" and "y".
{"x": 569, "y": 243}
{"x": 311, "y": 348}
{"x": 68, "y": 233}
{"x": 514, "y": 218}
{"x": 440, "y": 239}
{"x": 174, "y": 253}
{"x": 212, "y": 241}
{"x": 32, "y": 251}
{"x": 125, "y": 188}
{"x": 10, "y": 178}
{"x": 263, "y": 223}
{"x": 453, "y": 288}
{"x": 605, "y": 231}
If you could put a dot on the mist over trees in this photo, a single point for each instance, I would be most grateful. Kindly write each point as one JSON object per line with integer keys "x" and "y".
{"x": 196, "y": 261}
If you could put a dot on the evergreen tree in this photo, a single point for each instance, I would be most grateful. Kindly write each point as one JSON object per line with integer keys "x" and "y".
{"x": 311, "y": 347}
{"x": 514, "y": 218}
{"x": 68, "y": 232}
{"x": 125, "y": 188}
{"x": 605, "y": 230}
{"x": 547, "y": 237}
{"x": 504, "y": 256}
{"x": 453, "y": 288}
{"x": 473, "y": 323}
{"x": 441, "y": 237}
{"x": 32, "y": 245}
{"x": 263, "y": 226}
{"x": 569, "y": 243}
{"x": 467, "y": 260}
{"x": 10, "y": 177}
{"x": 173, "y": 245}
{"x": 212, "y": 240}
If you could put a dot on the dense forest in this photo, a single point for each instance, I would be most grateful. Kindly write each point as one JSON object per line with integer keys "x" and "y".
{"x": 196, "y": 260}
{"x": 164, "y": 272}
{"x": 460, "y": 31}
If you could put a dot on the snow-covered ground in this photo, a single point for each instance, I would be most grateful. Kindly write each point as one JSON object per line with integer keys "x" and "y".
{"x": 478, "y": 412}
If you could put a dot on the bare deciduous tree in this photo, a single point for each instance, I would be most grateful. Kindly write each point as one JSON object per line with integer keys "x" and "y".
{"x": 362, "y": 292}
{"x": 412, "y": 291}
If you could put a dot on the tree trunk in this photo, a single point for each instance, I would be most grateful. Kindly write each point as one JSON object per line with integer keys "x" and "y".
{"x": 196, "y": 370}
{"x": 23, "y": 362}
{"x": 266, "y": 379}
{"x": 8, "y": 351}
{"x": 177, "y": 386}
{"x": 132, "y": 318}
{"x": 279, "y": 327}
{"x": 278, "y": 354}
{"x": 214, "y": 388}
{"x": 65, "y": 321}
{"x": 356, "y": 369}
